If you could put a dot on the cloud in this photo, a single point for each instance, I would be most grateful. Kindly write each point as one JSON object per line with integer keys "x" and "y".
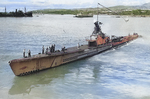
{"x": 41, "y": 4}
{"x": 132, "y": 2}
{"x": 66, "y": 2}
{"x": 12, "y": 3}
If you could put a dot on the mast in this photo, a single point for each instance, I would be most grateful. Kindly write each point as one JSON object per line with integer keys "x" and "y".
{"x": 126, "y": 20}
{"x": 97, "y": 12}
{"x": 25, "y": 9}
{"x": 5, "y": 9}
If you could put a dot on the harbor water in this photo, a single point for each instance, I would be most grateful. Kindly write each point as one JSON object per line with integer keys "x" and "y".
{"x": 121, "y": 73}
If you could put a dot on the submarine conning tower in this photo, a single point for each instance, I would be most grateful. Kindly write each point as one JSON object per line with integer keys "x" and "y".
{"x": 98, "y": 37}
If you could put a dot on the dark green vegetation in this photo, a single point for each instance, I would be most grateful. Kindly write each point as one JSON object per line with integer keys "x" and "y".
{"x": 124, "y": 11}
{"x": 64, "y": 11}
{"x": 16, "y": 14}
{"x": 136, "y": 12}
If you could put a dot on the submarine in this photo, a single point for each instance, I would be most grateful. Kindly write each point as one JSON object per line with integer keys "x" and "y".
{"x": 97, "y": 43}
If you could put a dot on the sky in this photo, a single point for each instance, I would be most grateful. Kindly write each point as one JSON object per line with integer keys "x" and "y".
{"x": 65, "y": 4}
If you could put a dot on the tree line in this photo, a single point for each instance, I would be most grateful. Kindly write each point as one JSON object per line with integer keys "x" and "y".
{"x": 94, "y": 12}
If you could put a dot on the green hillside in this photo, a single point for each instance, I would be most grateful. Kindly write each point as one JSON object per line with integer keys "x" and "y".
{"x": 119, "y": 10}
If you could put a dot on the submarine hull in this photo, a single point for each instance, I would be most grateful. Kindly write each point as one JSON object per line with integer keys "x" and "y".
{"x": 25, "y": 66}
{"x": 40, "y": 62}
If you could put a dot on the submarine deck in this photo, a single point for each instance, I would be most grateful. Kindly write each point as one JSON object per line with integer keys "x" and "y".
{"x": 57, "y": 53}
{"x": 67, "y": 51}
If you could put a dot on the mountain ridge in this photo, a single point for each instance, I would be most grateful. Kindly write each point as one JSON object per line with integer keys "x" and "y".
{"x": 145, "y": 6}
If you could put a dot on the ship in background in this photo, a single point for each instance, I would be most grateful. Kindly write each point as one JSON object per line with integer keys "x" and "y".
{"x": 98, "y": 42}
{"x": 81, "y": 15}
{"x": 17, "y": 13}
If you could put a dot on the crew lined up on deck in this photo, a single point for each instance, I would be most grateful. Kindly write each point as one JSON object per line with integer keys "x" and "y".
{"x": 50, "y": 49}
{"x": 29, "y": 54}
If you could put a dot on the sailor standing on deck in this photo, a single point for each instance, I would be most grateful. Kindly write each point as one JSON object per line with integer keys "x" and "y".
{"x": 51, "y": 48}
{"x": 29, "y": 53}
{"x": 54, "y": 48}
{"x": 47, "y": 50}
{"x": 63, "y": 49}
{"x": 43, "y": 49}
{"x": 24, "y": 53}
{"x": 78, "y": 46}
